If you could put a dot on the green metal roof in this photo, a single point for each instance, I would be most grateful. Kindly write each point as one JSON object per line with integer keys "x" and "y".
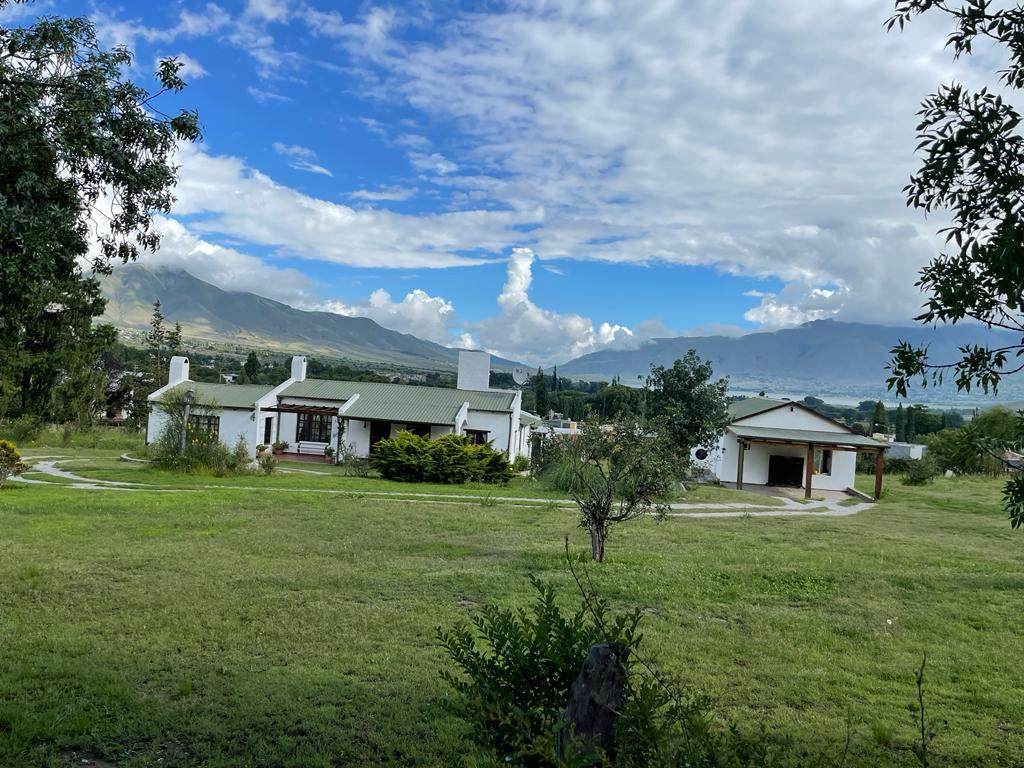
{"x": 527, "y": 418}
{"x": 805, "y": 436}
{"x": 741, "y": 409}
{"x": 225, "y": 395}
{"x": 400, "y": 402}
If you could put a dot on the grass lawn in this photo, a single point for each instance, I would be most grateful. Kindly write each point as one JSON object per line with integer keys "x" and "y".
{"x": 233, "y": 627}
{"x": 104, "y": 465}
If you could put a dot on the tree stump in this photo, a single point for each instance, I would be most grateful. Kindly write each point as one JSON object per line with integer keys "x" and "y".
{"x": 594, "y": 701}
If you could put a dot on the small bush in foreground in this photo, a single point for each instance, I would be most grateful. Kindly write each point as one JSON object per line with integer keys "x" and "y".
{"x": 11, "y": 464}
{"x": 517, "y": 668}
{"x": 449, "y": 459}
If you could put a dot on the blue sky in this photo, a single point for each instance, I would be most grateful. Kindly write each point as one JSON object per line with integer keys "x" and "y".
{"x": 544, "y": 179}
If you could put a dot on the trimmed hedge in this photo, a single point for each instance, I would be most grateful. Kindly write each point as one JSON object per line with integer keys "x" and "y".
{"x": 449, "y": 459}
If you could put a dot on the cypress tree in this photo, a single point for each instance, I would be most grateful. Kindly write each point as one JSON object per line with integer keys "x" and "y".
{"x": 901, "y": 424}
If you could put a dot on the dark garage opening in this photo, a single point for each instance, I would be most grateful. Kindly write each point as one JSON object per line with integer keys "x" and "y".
{"x": 785, "y": 470}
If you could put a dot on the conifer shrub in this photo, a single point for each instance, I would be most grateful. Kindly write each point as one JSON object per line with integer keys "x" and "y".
{"x": 448, "y": 459}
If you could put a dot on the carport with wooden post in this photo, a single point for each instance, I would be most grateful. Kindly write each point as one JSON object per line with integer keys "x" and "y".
{"x": 810, "y": 441}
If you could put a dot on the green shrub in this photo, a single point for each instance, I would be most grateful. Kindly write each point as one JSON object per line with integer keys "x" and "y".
{"x": 920, "y": 471}
{"x": 11, "y": 464}
{"x": 24, "y": 429}
{"x": 449, "y": 459}
{"x": 267, "y": 464}
{"x": 517, "y": 668}
{"x": 521, "y": 464}
{"x": 515, "y": 671}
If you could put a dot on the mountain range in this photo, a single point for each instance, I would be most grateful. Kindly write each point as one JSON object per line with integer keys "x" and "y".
{"x": 821, "y": 357}
{"x": 236, "y": 317}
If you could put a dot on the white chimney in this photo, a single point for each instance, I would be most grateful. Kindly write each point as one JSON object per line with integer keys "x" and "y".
{"x": 474, "y": 371}
{"x": 299, "y": 368}
{"x": 178, "y": 371}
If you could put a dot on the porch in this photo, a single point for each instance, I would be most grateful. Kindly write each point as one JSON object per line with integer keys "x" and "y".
{"x": 794, "y": 457}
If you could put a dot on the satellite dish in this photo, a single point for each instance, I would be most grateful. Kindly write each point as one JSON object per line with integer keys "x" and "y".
{"x": 520, "y": 375}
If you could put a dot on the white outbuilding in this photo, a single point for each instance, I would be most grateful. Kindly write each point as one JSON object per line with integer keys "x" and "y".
{"x": 784, "y": 443}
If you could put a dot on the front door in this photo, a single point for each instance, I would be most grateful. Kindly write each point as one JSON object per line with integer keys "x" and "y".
{"x": 786, "y": 470}
{"x": 268, "y": 430}
{"x": 379, "y": 430}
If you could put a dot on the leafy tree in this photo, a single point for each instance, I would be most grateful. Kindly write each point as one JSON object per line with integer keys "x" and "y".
{"x": 973, "y": 167}
{"x": 901, "y": 424}
{"x": 617, "y": 472}
{"x": 880, "y": 420}
{"x": 540, "y": 394}
{"x": 973, "y": 163}
{"x": 691, "y": 406}
{"x": 252, "y": 366}
{"x": 84, "y": 165}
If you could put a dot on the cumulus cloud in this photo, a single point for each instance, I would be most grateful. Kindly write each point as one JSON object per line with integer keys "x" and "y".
{"x": 418, "y": 313}
{"x": 524, "y": 331}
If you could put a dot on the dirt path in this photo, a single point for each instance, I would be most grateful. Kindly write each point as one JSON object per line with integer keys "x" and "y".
{"x": 790, "y": 507}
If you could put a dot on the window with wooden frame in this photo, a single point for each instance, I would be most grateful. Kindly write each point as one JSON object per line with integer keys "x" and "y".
{"x": 313, "y": 428}
{"x": 478, "y": 436}
{"x": 203, "y": 427}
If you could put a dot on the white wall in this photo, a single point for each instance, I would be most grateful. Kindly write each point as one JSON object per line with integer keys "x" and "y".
{"x": 791, "y": 417}
{"x": 755, "y": 464}
{"x": 233, "y": 424}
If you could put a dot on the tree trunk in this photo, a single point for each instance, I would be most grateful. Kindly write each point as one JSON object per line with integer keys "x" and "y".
{"x": 595, "y": 698}
{"x": 597, "y": 546}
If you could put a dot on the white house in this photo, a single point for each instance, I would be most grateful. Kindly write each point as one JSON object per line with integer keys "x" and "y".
{"x": 352, "y": 416}
{"x": 783, "y": 443}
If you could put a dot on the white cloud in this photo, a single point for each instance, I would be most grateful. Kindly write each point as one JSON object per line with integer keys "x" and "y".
{"x": 428, "y": 317}
{"x": 303, "y": 158}
{"x": 294, "y": 150}
{"x": 226, "y": 267}
{"x": 266, "y": 96}
{"x": 226, "y": 197}
{"x": 764, "y": 138}
{"x": 524, "y": 331}
{"x": 384, "y": 193}
{"x": 434, "y": 162}
{"x": 189, "y": 24}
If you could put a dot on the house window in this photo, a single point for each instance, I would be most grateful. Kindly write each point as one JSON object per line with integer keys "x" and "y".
{"x": 825, "y": 463}
{"x": 313, "y": 428}
{"x": 203, "y": 427}
{"x": 477, "y": 436}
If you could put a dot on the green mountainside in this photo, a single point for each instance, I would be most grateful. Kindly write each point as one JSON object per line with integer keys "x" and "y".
{"x": 239, "y": 318}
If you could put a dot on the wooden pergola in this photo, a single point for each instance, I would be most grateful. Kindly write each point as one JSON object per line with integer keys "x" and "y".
{"x": 811, "y": 440}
